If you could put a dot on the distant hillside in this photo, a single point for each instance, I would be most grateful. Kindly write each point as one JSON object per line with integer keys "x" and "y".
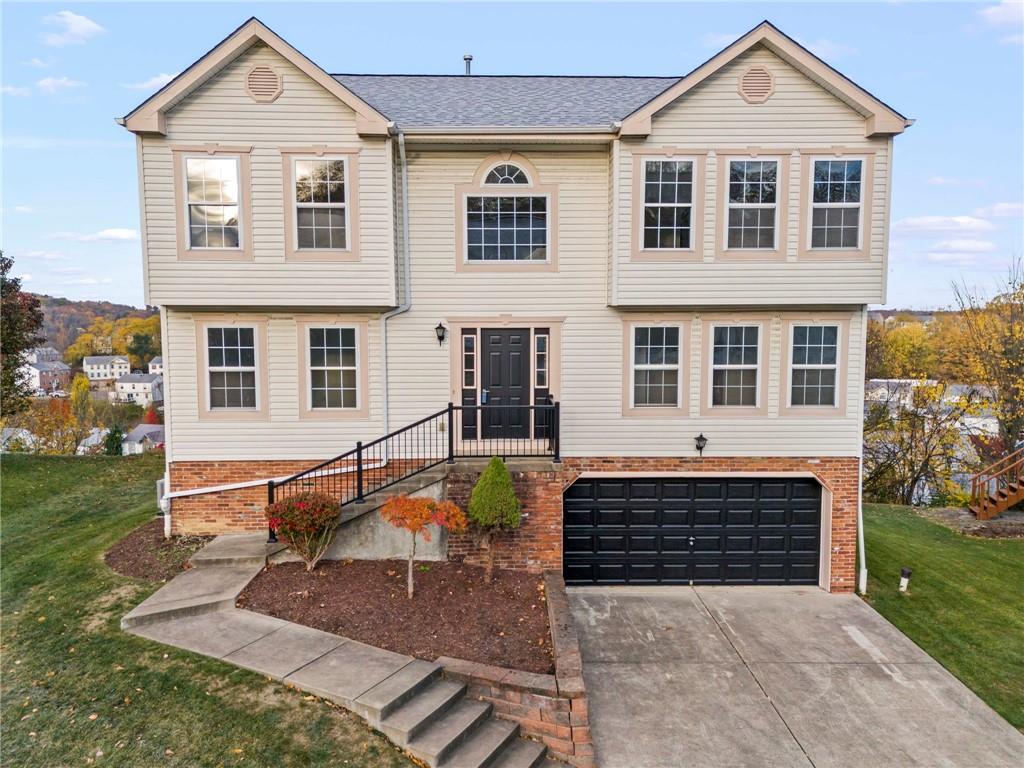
{"x": 64, "y": 319}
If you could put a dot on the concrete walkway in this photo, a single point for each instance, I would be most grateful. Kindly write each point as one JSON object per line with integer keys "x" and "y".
{"x": 405, "y": 698}
{"x": 764, "y": 676}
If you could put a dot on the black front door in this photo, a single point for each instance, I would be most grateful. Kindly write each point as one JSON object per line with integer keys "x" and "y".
{"x": 505, "y": 382}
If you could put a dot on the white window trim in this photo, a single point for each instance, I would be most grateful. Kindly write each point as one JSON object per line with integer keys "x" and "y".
{"x": 475, "y": 354}
{"x": 293, "y": 159}
{"x": 186, "y": 205}
{"x": 793, "y": 366}
{"x": 712, "y": 367}
{"x": 662, "y": 367}
{"x": 811, "y": 205}
{"x": 485, "y": 191}
{"x": 492, "y": 166}
{"x": 309, "y": 368}
{"x": 729, "y": 205}
{"x": 547, "y": 361}
{"x": 255, "y": 368}
{"x": 643, "y": 203}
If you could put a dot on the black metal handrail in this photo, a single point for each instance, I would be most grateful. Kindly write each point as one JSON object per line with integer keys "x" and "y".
{"x": 458, "y": 431}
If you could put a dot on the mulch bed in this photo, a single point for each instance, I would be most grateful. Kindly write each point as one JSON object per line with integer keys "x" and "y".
{"x": 454, "y": 612}
{"x": 146, "y": 554}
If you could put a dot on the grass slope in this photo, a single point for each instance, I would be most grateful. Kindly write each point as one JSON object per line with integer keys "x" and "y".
{"x": 965, "y": 606}
{"x": 74, "y": 686}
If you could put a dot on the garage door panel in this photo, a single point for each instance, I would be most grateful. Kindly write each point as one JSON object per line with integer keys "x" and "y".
{"x": 706, "y": 531}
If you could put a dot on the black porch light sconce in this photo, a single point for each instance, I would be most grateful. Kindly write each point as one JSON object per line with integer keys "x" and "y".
{"x": 700, "y": 442}
{"x": 441, "y": 332}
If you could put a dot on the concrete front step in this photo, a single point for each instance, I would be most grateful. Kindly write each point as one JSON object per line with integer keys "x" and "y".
{"x": 411, "y": 719}
{"x": 241, "y": 549}
{"x": 445, "y": 734}
{"x": 483, "y": 745}
{"x": 520, "y": 753}
{"x": 197, "y": 591}
{"x": 383, "y": 699}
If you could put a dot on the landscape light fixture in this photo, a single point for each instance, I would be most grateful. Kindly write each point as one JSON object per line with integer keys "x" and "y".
{"x": 700, "y": 441}
{"x": 904, "y": 578}
{"x": 440, "y": 330}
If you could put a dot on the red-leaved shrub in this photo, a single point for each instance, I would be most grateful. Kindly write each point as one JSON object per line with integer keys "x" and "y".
{"x": 306, "y": 523}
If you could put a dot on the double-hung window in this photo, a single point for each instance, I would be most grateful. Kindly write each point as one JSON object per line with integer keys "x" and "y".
{"x": 321, "y": 204}
{"x": 656, "y": 372}
{"x": 333, "y": 368}
{"x": 752, "y": 204}
{"x": 815, "y": 355}
{"x": 668, "y": 204}
{"x": 735, "y": 365}
{"x": 213, "y": 206}
{"x": 231, "y": 367}
{"x": 836, "y": 203}
{"x": 507, "y": 225}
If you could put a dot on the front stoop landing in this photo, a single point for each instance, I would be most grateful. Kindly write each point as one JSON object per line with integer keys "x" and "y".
{"x": 406, "y": 699}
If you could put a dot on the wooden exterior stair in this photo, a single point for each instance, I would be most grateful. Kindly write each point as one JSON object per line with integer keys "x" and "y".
{"x": 998, "y": 487}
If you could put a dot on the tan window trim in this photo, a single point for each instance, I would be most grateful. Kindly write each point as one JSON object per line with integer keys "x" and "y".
{"x": 807, "y": 157}
{"x": 260, "y": 412}
{"x": 179, "y": 153}
{"x": 696, "y": 250}
{"x": 708, "y": 324}
{"x": 291, "y": 250}
{"x": 681, "y": 409}
{"x": 786, "y": 379}
{"x": 722, "y": 250}
{"x": 534, "y": 188}
{"x": 362, "y": 409}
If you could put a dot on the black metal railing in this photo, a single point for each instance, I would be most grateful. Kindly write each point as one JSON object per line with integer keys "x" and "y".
{"x": 458, "y": 431}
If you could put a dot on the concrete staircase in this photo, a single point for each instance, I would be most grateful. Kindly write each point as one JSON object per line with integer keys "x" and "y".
{"x": 407, "y": 487}
{"x": 408, "y": 700}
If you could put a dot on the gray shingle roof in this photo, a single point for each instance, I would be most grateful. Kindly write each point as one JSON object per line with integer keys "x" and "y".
{"x": 504, "y": 101}
{"x": 140, "y": 378}
{"x": 103, "y": 359}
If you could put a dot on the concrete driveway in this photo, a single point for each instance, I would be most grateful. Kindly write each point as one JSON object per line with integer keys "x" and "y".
{"x": 766, "y": 676}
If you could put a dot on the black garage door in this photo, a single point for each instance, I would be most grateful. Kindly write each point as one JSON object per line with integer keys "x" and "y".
{"x": 692, "y": 530}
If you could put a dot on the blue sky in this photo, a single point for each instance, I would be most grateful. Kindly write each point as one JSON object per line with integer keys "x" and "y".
{"x": 70, "y": 195}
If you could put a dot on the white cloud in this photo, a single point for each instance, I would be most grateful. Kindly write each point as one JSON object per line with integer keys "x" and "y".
{"x": 1007, "y": 12}
{"x": 154, "y": 83}
{"x": 965, "y": 245}
{"x": 950, "y": 181}
{"x": 25, "y": 277}
{"x": 24, "y": 209}
{"x": 72, "y": 29}
{"x": 42, "y": 255}
{"x": 924, "y": 226}
{"x": 57, "y": 84}
{"x": 828, "y": 49}
{"x": 1012, "y": 39}
{"x": 106, "y": 235}
{"x": 1000, "y": 210}
{"x": 68, "y": 270}
{"x": 15, "y": 90}
{"x": 38, "y": 63}
{"x": 718, "y": 40}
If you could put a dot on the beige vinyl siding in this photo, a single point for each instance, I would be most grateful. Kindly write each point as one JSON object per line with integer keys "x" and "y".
{"x": 800, "y": 115}
{"x": 282, "y": 434}
{"x": 305, "y": 115}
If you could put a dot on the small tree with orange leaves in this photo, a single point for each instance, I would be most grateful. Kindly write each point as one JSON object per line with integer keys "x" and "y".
{"x": 415, "y": 515}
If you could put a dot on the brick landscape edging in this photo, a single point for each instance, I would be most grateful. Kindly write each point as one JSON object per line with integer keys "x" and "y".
{"x": 549, "y": 708}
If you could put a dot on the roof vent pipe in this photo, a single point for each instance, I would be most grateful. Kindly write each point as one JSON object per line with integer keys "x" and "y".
{"x": 468, "y": 58}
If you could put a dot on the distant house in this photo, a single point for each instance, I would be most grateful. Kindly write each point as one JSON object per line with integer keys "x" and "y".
{"x": 16, "y": 439}
{"x": 156, "y": 365}
{"x": 93, "y": 443}
{"x": 143, "y": 438}
{"x": 106, "y": 367}
{"x": 139, "y": 388}
{"x": 41, "y": 355}
{"x": 47, "y": 375}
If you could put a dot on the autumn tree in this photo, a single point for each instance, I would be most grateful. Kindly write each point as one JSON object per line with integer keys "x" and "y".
{"x": 137, "y": 337}
{"x": 416, "y": 515}
{"x": 152, "y": 415}
{"x": 20, "y": 321}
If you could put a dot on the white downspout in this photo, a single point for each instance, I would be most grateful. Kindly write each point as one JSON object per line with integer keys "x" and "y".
{"x": 862, "y": 576}
{"x": 405, "y": 301}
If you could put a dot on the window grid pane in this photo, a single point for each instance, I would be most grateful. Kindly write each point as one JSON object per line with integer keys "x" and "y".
{"x": 540, "y": 364}
{"x": 506, "y": 173}
{"x": 212, "y": 189}
{"x": 469, "y": 361}
{"x": 753, "y": 189}
{"x": 835, "y": 203}
{"x": 231, "y": 365}
{"x": 506, "y": 228}
{"x": 320, "y": 202}
{"x": 668, "y": 203}
{"x": 814, "y": 365}
{"x": 734, "y": 372}
{"x": 332, "y": 368}
{"x": 656, "y": 366}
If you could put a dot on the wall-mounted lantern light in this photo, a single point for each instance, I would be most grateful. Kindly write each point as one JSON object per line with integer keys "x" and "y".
{"x": 441, "y": 331}
{"x": 701, "y": 442}
{"x": 904, "y": 578}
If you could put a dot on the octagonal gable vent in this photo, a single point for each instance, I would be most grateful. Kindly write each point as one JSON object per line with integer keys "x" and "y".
{"x": 756, "y": 85}
{"x": 263, "y": 84}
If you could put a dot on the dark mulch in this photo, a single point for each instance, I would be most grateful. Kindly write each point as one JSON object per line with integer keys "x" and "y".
{"x": 146, "y": 554}
{"x": 454, "y": 612}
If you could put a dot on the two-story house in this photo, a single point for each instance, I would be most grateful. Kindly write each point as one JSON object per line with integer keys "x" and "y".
{"x": 139, "y": 388}
{"x": 655, "y": 286}
{"x": 105, "y": 367}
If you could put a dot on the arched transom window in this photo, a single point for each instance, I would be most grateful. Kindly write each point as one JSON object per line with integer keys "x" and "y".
{"x": 507, "y": 173}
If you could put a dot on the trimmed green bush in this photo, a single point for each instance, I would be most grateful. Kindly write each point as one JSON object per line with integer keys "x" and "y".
{"x": 493, "y": 506}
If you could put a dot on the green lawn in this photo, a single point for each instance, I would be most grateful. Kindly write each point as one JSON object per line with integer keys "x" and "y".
{"x": 74, "y": 685}
{"x": 965, "y": 606}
